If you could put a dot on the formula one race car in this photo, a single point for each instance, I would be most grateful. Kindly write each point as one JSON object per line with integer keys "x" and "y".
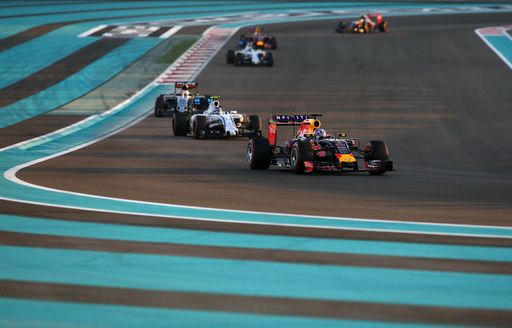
{"x": 250, "y": 56}
{"x": 214, "y": 122}
{"x": 365, "y": 24}
{"x": 186, "y": 95}
{"x": 313, "y": 150}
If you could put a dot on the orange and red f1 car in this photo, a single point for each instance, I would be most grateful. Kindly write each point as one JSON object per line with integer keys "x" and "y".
{"x": 312, "y": 149}
{"x": 365, "y": 24}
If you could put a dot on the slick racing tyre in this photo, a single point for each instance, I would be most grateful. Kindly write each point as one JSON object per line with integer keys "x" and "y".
{"x": 270, "y": 60}
{"x": 376, "y": 150}
{"x": 230, "y": 56}
{"x": 273, "y": 43}
{"x": 200, "y": 127}
{"x": 180, "y": 124}
{"x": 383, "y": 27}
{"x": 259, "y": 153}
{"x": 239, "y": 60}
{"x": 159, "y": 106}
{"x": 255, "y": 124}
{"x": 341, "y": 27}
{"x": 302, "y": 151}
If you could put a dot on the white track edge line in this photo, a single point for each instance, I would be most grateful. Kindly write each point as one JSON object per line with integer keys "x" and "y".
{"x": 405, "y": 232}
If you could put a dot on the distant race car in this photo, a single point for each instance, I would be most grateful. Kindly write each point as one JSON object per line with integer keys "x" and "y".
{"x": 259, "y": 39}
{"x": 214, "y": 122}
{"x": 186, "y": 95}
{"x": 313, "y": 150}
{"x": 249, "y": 56}
{"x": 365, "y": 24}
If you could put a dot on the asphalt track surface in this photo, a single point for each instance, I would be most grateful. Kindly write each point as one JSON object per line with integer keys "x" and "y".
{"x": 430, "y": 88}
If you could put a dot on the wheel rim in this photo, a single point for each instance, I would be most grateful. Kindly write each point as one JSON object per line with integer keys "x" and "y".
{"x": 249, "y": 153}
{"x": 293, "y": 158}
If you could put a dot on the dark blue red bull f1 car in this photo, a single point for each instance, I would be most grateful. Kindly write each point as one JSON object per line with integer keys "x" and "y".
{"x": 312, "y": 149}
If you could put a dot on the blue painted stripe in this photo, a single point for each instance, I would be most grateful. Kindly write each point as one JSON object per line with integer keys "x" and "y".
{"x": 42, "y": 51}
{"x": 208, "y": 238}
{"x": 71, "y": 6}
{"x": 15, "y": 191}
{"x": 173, "y": 273}
{"x": 503, "y": 45}
{"x": 28, "y": 313}
{"x": 77, "y": 84}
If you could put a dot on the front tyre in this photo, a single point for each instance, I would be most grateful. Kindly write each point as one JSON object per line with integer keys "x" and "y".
{"x": 383, "y": 26}
{"x": 230, "y": 56}
{"x": 200, "y": 127}
{"x": 341, "y": 27}
{"x": 180, "y": 124}
{"x": 376, "y": 151}
{"x": 239, "y": 59}
{"x": 159, "y": 106}
{"x": 270, "y": 60}
{"x": 301, "y": 152}
{"x": 259, "y": 153}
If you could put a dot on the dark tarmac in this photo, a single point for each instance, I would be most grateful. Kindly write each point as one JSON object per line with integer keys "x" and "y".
{"x": 430, "y": 88}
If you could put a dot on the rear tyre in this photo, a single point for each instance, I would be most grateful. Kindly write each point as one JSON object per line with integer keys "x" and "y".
{"x": 255, "y": 124}
{"x": 301, "y": 152}
{"x": 259, "y": 153}
{"x": 180, "y": 124}
{"x": 230, "y": 56}
{"x": 200, "y": 127}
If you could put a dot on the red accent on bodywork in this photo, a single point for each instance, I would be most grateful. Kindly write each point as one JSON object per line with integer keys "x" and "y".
{"x": 308, "y": 166}
{"x": 368, "y": 148}
{"x": 272, "y": 133}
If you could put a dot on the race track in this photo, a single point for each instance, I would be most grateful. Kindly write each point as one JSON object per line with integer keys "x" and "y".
{"x": 430, "y": 88}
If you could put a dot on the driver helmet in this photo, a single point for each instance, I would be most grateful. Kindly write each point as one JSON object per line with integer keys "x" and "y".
{"x": 320, "y": 133}
{"x": 184, "y": 91}
{"x": 215, "y": 107}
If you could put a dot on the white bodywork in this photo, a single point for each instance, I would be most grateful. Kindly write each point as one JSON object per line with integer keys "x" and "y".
{"x": 254, "y": 54}
{"x": 182, "y": 103}
{"x": 216, "y": 116}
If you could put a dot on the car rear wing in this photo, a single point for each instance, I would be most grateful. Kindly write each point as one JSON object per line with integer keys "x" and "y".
{"x": 376, "y": 16}
{"x": 189, "y": 84}
{"x": 180, "y": 85}
{"x": 291, "y": 120}
{"x": 286, "y": 120}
